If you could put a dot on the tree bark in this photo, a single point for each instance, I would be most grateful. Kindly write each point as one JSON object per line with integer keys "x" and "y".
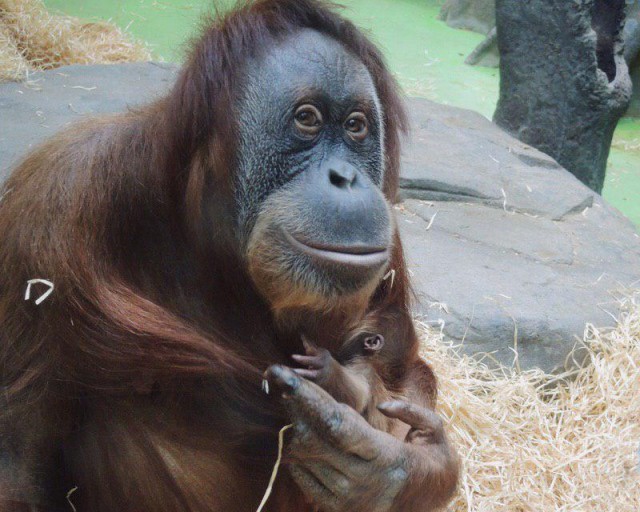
{"x": 564, "y": 83}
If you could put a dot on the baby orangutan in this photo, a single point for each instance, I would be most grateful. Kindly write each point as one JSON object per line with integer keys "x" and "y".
{"x": 351, "y": 378}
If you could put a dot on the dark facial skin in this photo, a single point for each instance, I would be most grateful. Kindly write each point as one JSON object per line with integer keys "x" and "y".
{"x": 311, "y": 211}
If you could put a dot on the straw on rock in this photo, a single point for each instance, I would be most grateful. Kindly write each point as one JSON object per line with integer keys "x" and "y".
{"x": 536, "y": 442}
{"x": 33, "y": 38}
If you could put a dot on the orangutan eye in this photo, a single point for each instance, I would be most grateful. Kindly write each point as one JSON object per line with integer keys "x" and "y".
{"x": 357, "y": 126}
{"x": 308, "y": 120}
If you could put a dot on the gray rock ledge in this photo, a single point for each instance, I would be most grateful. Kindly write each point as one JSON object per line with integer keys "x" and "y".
{"x": 507, "y": 249}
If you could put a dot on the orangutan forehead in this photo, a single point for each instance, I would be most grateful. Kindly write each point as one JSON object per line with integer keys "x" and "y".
{"x": 310, "y": 61}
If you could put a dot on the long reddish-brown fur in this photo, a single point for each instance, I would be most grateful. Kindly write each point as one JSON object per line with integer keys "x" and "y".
{"x": 151, "y": 302}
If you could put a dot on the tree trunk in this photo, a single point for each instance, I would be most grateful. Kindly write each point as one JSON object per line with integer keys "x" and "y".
{"x": 632, "y": 55}
{"x": 564, "y": 83}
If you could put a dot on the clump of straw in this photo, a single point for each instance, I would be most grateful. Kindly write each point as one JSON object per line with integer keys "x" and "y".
{"x": 31, "y": 38}
{"x": 530, "y": 443}
{"x": 12, "y": 64}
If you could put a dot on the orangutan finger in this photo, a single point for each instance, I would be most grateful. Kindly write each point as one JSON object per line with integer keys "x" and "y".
{"x": 338, "y": 423}
{"x": 422, "y": 421}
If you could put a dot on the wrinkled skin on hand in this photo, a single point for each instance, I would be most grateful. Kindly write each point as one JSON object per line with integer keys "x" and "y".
{"x": 341, "y": 463}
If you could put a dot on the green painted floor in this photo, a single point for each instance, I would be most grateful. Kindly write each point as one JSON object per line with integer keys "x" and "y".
{"x": 426, "y": 55}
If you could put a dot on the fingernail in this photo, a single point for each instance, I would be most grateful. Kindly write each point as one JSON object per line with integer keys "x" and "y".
{"x": 292, "y": 381}
{"x": 285, "y": 378}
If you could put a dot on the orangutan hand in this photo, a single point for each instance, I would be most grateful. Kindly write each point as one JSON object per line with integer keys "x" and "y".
{"x": 343, "y": 464}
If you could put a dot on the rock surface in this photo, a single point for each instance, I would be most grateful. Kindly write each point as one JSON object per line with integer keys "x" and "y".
{"x": 32, "y": 111}
{"x": 486, "y": 53}
{"x": 476, "y": 15}
{"x": 507, "y": 250}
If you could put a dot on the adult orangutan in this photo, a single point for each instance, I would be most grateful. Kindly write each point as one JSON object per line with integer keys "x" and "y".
{"x": 193, "y": 244}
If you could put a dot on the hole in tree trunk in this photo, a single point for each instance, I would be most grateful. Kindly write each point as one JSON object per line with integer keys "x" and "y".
{"x": 607, "y": 18}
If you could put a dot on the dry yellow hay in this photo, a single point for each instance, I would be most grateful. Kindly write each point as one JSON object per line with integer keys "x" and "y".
{"x": 13, "y": 65}
{"x": 33, "y": 38}
{"x": 530, "y": 446}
